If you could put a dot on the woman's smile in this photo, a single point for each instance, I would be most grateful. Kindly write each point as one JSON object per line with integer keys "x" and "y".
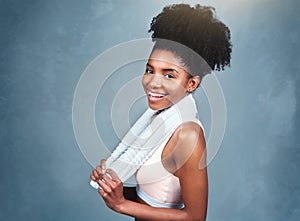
{"x": 155, "y": 96}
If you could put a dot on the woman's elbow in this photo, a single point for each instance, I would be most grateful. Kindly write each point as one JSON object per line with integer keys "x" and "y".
{"x": 195, "y": 217}
{"x": 200, "y": 218}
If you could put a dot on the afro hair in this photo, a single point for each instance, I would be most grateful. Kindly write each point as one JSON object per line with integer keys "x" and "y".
{"x": 196, "y": 28}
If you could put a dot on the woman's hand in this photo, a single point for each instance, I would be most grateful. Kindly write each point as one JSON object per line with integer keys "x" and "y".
{"x": 99, "y": 171}
{"x": 111, "y": 190}
{"x": 111, "y": 187}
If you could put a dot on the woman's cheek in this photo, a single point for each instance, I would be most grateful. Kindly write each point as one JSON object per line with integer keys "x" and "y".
{"x": 144, "y": 81}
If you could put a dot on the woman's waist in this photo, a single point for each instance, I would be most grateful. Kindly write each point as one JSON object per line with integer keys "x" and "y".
{"x": 160, "y": 195}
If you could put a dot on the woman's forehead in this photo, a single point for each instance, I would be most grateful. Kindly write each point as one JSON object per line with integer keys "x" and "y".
{"x": 161, "y": 57}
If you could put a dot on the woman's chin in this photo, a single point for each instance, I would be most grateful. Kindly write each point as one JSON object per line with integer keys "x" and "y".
{"x": 157, "y": 106}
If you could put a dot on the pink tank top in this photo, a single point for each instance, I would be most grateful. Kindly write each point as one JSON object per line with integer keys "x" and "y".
{"x": 157, "y": 186}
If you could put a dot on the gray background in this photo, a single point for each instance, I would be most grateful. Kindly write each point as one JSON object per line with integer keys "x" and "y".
{"x": 45, "y": 47}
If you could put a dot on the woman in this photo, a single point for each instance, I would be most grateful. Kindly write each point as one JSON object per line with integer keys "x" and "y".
{"x": 171, "y": 76}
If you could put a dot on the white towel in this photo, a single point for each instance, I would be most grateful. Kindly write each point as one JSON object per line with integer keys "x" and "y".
{"x": 146, "y": 135}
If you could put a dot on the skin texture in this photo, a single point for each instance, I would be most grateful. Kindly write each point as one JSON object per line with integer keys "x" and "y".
{"x": 165, "y": 74}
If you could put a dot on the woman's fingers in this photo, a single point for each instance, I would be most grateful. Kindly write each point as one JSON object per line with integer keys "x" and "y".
{"x": 113, "y": 175}
{"x": 96, "y": 174}
{"x": 111, "y": 189}
{"x": 103, "y": 164}
{"x": 109, "y": 181}
{"x": 92, "y": 177}
{"x": 102, "y": 193}
{"x": 99, "y": 170}
{"x": 102, "y": 183}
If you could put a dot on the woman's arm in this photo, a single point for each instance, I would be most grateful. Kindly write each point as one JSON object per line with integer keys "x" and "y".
{"x": 114, "y": 199}
{"x": 190, "y": 159}
{"x": 189, "y": 142}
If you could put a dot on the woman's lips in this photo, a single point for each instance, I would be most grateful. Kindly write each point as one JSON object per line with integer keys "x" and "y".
{"x": 154, "y": 96}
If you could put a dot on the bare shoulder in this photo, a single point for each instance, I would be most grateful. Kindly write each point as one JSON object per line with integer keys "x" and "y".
{"x": 186, "y": 145}
{"x": 189, "y": 132}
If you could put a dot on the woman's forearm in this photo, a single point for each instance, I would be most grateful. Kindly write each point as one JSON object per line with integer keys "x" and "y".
{"x": 145, "y": 212}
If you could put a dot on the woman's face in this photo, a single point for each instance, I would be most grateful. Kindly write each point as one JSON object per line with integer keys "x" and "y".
{"x": 165, "y": 80}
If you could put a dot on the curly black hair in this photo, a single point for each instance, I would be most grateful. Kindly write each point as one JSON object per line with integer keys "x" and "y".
{"x": 196, "y": 28}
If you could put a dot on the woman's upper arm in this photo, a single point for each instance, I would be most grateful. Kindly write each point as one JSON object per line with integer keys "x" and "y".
{"x": 189, "y": 157}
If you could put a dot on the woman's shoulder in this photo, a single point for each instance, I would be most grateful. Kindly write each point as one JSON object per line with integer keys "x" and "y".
{"x": 189, "y": 137}
{"x": 189, "y": 132}
{"x": 187, "y": 142}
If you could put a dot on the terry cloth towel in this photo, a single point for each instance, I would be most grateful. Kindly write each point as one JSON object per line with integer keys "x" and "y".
{"x": 149, "y": 131}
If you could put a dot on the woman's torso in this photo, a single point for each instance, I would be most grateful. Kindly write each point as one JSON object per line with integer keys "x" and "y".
{"x": 156, "y": 185}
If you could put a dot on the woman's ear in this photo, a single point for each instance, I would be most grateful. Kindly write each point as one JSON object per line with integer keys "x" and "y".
{"x": 193, "y": 83}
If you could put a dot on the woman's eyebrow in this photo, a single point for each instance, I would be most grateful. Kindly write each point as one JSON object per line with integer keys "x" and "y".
{"x": 165, "y": 69}
{"x": 149, "y": 65}
{"x": 170, "y": 69}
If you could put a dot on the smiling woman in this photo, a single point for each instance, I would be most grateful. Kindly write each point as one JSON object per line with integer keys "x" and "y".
{"x": 165, "y": 80}
{"x": 167, "y": 143}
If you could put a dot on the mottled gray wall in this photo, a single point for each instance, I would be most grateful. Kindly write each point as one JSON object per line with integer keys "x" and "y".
{"x": 46, "y": 45}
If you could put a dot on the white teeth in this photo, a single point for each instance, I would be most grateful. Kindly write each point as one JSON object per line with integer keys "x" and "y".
{"x": 155, "y": 94}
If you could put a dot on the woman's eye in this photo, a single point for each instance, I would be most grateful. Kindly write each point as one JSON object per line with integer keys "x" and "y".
{"x": 169, "y": 76}
{"x": 149, "y": 71}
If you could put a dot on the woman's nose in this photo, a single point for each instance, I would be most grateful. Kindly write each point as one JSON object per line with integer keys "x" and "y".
{"x": 155, "y": 81}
